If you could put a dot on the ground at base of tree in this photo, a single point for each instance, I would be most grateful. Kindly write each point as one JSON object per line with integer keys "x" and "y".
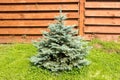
{"x": 15, "y": 64}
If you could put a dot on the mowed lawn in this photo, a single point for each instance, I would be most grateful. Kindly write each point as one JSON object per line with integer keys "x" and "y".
{"x": 104, "y": 57}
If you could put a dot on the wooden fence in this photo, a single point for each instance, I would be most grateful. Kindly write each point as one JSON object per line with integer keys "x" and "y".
{"x": 102, "y": 19}
{"x": 24, "y": 20}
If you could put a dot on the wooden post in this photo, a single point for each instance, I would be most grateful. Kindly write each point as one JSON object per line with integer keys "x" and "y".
{"x": 81, "y": 16}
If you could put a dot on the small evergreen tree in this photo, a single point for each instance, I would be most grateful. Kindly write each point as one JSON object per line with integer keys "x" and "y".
{"x": 60, "y": 49}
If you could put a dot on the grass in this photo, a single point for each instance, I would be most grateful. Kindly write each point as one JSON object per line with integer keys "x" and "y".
{"x": 15, "y": 65}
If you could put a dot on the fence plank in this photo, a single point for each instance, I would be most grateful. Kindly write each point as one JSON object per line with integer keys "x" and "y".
{"x": 44, "y": 15}
{"x": 102, "y": 21}
{"x": 36, "y": 1}
{"x": 22, "y": 30}
{"x": 102, "y": 13}
{"x": 99, "y": 4}
{"x": 82, "y": 16}
{"x": 101, "y": 29}
{"x": 41, "y": 23}
{"x": 38, "y": 7}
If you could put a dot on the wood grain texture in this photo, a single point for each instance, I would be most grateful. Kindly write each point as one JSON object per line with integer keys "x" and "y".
{"x": 82, "y": 17}
{"x": 33, "y": 15}
{"x": 101, "y": 29}
{"x": 24, "y": 20}
{"x": 22, "y": 30}
{"x": 102, "y": 21}
{"x": 38, "y": 7}
{"x": 102, "y": 13}
{"x": 99, "y": 4}
{"x": 41, "y": 23}
{"x": 37, "y": 1}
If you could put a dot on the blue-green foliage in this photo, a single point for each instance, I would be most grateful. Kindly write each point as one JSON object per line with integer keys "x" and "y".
{"x": 60, "y": 49}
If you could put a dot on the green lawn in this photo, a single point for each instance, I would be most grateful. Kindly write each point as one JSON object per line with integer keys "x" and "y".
{"x": 15, "y": 65}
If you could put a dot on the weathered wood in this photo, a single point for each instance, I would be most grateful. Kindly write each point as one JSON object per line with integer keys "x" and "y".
{"x": 102, "y": 13}
{"x": 38, "y": 7}
{"x": 102, "y": 21}
{"x": 99, "y": 4}
{"x": 41, "y": 23}
{"x": 44, "y": 15}
{"x": 101, "y": 29}
{"x": 82, "y": 17}
{"x": 37, "y": 1}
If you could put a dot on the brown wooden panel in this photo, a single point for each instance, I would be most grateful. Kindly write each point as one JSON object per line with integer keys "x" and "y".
{"x": 103, "y": 13}
{"x": 19, "y": 31}
{"x": 17, "y": 25}
{"x": 38, "y": 7}
{"x": 99, "y": 4}
{"x": 45, "y": 15}
{"x": 11, "y": 23}
{"x": 101, "y": 29}
{"x": 35, "y": 1}
{"x": 106, "y": 37}
{"x": 22, "y": 30}
{"x": 82, "y": 16}
{"x": 102, "y": 21}
{"x": 14, "y": 39}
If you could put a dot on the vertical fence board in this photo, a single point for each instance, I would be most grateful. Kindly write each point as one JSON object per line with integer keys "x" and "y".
{"x": 82, "y": 17}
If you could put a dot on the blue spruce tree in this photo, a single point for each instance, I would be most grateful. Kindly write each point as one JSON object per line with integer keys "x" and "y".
{"x": 60, "y": 49}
